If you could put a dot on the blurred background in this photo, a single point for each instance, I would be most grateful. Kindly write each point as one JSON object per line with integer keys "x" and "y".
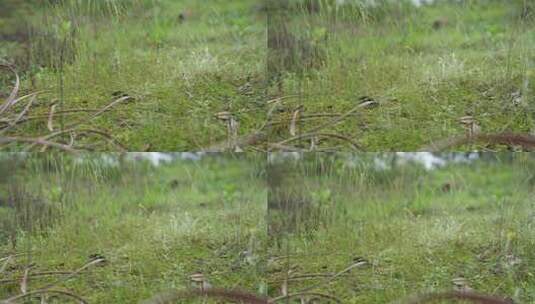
{"x": 149, "y": 222}
{"x": 378, "y": 227}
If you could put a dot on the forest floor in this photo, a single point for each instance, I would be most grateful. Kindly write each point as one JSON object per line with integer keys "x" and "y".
{"x": 405, "y": 232}
{"x": 153, "y": 228}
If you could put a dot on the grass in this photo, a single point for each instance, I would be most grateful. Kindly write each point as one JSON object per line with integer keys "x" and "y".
{"x": 403, "y": 229}
{"x": 153, "y": 226}
{"x": 190, "y": 77}
{"x": 181, "y": 62}
{"x": 424, "y": 68}
{"x": 410, "y": 234}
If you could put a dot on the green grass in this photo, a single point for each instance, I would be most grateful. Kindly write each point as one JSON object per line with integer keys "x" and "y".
{"x": 154, "y": 226}
{"x": 157, "y": 226}
{"x": 424, "y": 79}
{"x": 179, "y": 72}
{"x": 413, "y": 236}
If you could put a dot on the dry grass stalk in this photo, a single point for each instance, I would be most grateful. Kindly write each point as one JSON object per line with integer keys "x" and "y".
{"x": 45, "y": 141}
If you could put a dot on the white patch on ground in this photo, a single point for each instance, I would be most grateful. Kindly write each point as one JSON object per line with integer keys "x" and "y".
{"x": 155, "y": 158}
{"x": 428, "y": 160}
{"x": 160, "y": 158}
{"x": 442, "y": 230}
{"x": 201, "y": 62}
{"x": 176, "y": 228}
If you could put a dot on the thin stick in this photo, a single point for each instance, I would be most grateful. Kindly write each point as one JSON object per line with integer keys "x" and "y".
{"x": 303, "y": 294}
{"x": 14, "y": 92}
{"x": 24, "y": 281}
{"x": 58, "y": 133}
{"x": 106, "y": 136}
{"x": 37, "y": 141}
{"x": 6, "y": 262}
{"x": 74, "y": 273}
{"x": 241, "y": 142}
{"x": 13, "y": 123}
{"x": 281, "y": 98}
{"x": 44, "y": 291}
{"x": 331, "y": 122}
{"x": 13, "y": 255}
{"x": 35, "y": 275}
{"x": 104, "y": 109}
{"x": 232, "y": 295}
{"x": 324, "y": 282}
{"x": 353, "y": 144}
{"x": 41, "y": 116}
{"x": 50, "y": 124}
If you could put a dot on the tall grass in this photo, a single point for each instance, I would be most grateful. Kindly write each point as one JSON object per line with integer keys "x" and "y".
{"x": 41, "y": 186}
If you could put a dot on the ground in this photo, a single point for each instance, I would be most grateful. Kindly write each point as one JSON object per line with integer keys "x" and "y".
{"x": 154, "y": 228}
{"x": 343, "y": 77}
{"x": 181, "y": 62}
{"x": 421, "y": 70}
{"x": 408, "y": 231}
{"x": 401, "y": 231}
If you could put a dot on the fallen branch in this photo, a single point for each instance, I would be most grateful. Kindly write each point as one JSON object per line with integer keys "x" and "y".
{"x": 35, "y": 275}
{"x": 74, "y": 273}
{"x": 249, "y": 298}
